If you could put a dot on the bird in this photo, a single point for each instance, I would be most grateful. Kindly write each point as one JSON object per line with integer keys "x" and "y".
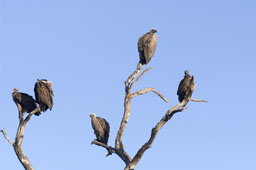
{"x": 24, "y": 102}
{"x": 43, "y": 94}
{"x": 147, "y": 46}
{"x": 101, "y": 128}
{"x": 186, "y": 87}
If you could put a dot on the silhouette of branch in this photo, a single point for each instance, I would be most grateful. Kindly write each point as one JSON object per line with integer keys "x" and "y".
{"x": 146, "y": 90}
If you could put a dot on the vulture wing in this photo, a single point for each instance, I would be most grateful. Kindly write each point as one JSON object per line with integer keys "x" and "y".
{"x": 146, "y": 47}
{"x": 27, "y": 103}
{"x": 43, "y": 94}
{"x": 105, "y": 129}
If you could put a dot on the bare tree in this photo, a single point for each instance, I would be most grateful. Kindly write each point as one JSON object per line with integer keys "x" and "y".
{"x": 19, "y": 139}
{"x": 119, "y": 149}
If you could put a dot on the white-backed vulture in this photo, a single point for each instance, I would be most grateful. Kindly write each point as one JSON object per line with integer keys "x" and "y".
{"x": 186, "y": 87}
{"x": 147, "y": 46}
{"x": 101, "y": 128}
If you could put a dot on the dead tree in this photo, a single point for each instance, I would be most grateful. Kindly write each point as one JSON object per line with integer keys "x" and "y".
{"x": 129, "y": 95}
{"x": 19, "y": 138}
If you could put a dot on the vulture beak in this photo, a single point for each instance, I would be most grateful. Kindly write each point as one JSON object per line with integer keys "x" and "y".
{"x": 49, "y": 83}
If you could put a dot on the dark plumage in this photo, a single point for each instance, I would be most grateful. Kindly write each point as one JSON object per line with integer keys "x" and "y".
{"x": 43, "y": 94}
{"x": 186, "y": 87}
{"x": 101, "y": 128}
{"x": 147, "y": 46}
{"x": 24, "y": 102}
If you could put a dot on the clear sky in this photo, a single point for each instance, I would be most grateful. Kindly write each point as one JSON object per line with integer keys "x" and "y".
{"x": 87, "y": 48}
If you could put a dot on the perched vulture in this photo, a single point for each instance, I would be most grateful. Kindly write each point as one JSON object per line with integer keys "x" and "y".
{"x": 186, "y": 87}
{"x": 43, "y": 94}
{"x": 24, "y": 102}
{"x": 101, "y": 128}
{"x": 147, "y": 46}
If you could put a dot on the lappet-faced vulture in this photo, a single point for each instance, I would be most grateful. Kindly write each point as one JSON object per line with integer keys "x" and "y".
{"x": 24, "y": 102}
{"x": 43, "y": 94}
{"x": 101, "y": 128}
{"x": 186, "y": 87}
{"x": 147, "y": 46}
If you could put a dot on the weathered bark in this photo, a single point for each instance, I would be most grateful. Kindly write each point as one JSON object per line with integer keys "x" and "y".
{"x": 168, "y": 115}
{"x": 19, "y": 139}
{"x": 146, "y": 90}
{"x": 127, "y": 107}
{"x": 119, "y": 149}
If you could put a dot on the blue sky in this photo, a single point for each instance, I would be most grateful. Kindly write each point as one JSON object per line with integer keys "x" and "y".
{"x": 88, "y": 48}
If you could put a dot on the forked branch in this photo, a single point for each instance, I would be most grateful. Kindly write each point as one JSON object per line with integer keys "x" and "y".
{"x": 19, "y": 138}
{"x": 168, "y": 115}
{"x": 127, "y": 107}
{"x": 119, "y": 149}
{"x": 146, "y": 90}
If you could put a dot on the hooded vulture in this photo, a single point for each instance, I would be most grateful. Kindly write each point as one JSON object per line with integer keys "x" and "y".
{"x": 186, "y": 87}
{"x": 24, "y": 102}
{"x": 101, "y": 128}
{"x": 43, "y": 94}
{"x": 147, "y": 46}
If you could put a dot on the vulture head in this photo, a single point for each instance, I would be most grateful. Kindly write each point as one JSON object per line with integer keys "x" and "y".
{"x": 92, "y": 115}
{"x": 15, "y": 90}
{"x": 186, "y": 73}
{"x": 153, "y": 30}
{"x": 46, "y": 81}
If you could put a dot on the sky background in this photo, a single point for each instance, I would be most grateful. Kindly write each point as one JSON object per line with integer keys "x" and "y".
{"x": 88, "y": 49}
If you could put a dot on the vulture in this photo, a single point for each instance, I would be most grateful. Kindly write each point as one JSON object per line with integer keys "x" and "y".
{"x": 24, "y": 102}
{"x": 101, "y": 128}
{"x": 147, "y": 46}
{"x": 43, "y": 94}
{"x": 186, "y": 87}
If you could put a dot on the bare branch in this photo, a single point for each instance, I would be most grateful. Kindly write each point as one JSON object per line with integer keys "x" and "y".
{"x": 122, "y": 154}
{"x": 127, "y": 105}
{"x": 30, "y": 114}
{"x": 18, "y": 142}
{"x": 146, "y": 90}
{"x": 132, "y": 76}
{"x": 168, "y": 115}
{"x": 6, "y": 137}
{"x": 19, "y": 138}
{"x": 138, "y": 78}
{"x": 198, "y": 100}
{"x": 127, "y": 108}
{"x": 109, "y": 148}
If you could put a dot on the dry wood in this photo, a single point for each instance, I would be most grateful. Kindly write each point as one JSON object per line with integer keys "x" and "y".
{"x": 168, "y": 115}
{"x": 19, "y": 138}
{"x": 146, "y": 90}
{"x": 6, "y": 137}
{"x": 138, "y": 78}
{"x": 119, "y": 149}
{"x": 198, "y": 100}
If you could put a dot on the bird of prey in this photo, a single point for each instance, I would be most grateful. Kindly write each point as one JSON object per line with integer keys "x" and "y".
{"x": 43, "y": 94}
{"x": 186, "y": 87}
{"x": 101, "y": 128}
{"x": 147, "y": 46}
{"x": 24, "y": 102}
